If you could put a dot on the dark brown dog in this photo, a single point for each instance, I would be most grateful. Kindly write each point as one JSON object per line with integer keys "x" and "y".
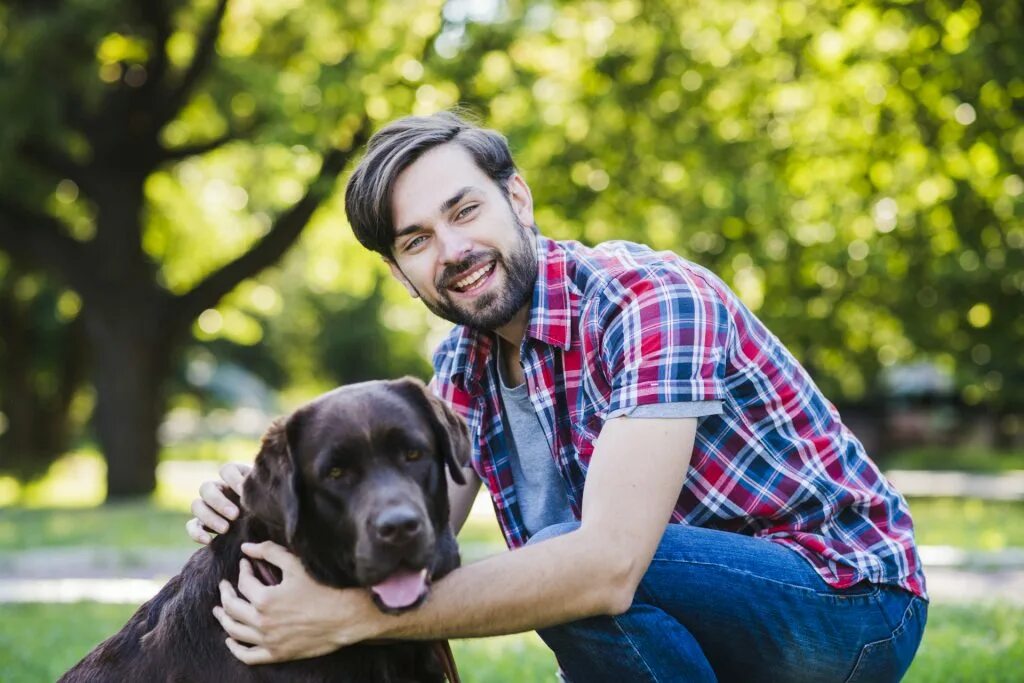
{"x": 353, "y": 484}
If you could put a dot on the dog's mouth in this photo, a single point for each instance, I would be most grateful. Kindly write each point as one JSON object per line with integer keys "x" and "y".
{"x": 402, "y": 590}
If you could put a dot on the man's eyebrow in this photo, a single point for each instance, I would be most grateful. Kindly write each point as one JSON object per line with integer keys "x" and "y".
{"x": 445, "y": 206}
{"x": 456, "y": 198}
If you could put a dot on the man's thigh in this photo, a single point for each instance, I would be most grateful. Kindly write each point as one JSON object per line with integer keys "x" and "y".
{"x": 760, "y": 612}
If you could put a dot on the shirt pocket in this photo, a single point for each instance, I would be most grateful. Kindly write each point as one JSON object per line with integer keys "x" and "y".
{"x": 584, "y": 434}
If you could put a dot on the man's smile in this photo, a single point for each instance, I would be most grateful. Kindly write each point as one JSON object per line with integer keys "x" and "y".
{"x": 474, "y": 280}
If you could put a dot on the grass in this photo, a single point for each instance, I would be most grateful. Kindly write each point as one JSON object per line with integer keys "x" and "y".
{"x": 39, "y": 642}
{"x": 976, "y": 460}
{"x": 121, "y": 525}
{"x": 970, "y": 523}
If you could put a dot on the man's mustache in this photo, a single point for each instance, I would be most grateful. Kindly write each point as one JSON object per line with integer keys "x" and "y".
{"x": 453, "y": 272}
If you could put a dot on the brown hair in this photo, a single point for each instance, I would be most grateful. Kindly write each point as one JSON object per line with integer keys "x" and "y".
{"x": 396, "y": 146}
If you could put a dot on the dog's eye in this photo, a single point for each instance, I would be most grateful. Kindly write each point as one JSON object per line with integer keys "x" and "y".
{"x": 337, "y": 472}
{"x": 413, "y": 456}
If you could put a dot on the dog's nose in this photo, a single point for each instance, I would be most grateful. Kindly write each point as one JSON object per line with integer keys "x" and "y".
{"x": 397, "y": 525}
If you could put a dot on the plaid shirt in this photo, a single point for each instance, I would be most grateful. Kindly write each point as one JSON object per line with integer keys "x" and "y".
{"x": 618, "y": 326}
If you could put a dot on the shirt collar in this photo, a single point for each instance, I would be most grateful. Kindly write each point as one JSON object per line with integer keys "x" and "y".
{"x": 550, "y": 319}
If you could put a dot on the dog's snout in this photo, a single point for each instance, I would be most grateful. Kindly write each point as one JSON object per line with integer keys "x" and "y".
{"x": 397, "y": 525}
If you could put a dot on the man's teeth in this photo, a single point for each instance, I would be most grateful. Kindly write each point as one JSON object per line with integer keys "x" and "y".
{"x": 467, "y": 282}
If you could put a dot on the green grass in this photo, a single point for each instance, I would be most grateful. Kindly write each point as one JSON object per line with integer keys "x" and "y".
{"x": 39, "y": 642}
{"x": 231, "y": 449}
{"x": 970, "y": 523}
{"x": 121, "y": 525}
{"x": 977, "y": 460}
{"x": 970, "y": 644}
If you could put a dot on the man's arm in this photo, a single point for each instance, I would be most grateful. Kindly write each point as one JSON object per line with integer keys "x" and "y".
{"x": 633, "y": 482}
{"x": 461, "y": 497}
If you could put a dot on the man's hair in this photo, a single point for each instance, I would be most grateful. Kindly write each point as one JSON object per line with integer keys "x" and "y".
{"x": 396, "y": 146}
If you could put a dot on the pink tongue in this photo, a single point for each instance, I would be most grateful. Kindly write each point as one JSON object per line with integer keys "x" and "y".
{"x": 402, "y": 588}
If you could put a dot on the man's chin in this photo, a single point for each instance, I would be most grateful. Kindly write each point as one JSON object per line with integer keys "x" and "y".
{"x": 488, "y": 315}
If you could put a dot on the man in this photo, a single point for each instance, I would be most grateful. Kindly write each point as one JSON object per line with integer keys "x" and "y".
{"x": 787, "y": 555}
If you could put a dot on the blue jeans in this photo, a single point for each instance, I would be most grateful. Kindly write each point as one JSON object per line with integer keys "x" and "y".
{"x": 719, "y": 606}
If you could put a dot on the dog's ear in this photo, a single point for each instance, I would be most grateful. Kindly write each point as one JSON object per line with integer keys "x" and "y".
{"x": 291, "y": 502}
{"x": 449, "y": 428}
{"x": 272, "y": 496}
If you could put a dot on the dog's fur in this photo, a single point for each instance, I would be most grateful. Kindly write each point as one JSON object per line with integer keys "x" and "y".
{"x": 321, "y": 478}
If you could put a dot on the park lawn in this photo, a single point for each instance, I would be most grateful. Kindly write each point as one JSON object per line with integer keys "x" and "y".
{"x": 116, "y": 526}
{"x": 39, "y": 642}
{"x": 963, "y": 459}
{"x": 970, "y": 524}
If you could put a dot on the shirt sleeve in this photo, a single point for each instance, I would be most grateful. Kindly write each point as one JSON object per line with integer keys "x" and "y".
{"x": 665, "y": 336}
{"x": 441, "y": 385}
{"x": 698, "y": 409}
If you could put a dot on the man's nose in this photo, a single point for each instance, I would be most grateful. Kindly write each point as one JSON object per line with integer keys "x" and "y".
{"x": 455, "y": 245}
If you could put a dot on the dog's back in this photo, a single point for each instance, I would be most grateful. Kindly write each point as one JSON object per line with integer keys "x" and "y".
{"x": 174, "y": 637}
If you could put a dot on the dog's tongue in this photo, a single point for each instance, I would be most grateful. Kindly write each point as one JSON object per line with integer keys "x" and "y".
{"x": 402, "y": 588}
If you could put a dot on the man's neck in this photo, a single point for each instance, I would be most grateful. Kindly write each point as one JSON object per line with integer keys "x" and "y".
{"x": 510, "y": 336}
{"x": 514, "y": 330}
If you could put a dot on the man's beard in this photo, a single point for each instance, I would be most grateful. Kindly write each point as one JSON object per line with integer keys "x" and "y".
{"x": 494, "y": 308}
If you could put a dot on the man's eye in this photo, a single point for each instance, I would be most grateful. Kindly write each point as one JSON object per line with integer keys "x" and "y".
{"x": 466, "y": 211}
{"x": 415, "y": 242}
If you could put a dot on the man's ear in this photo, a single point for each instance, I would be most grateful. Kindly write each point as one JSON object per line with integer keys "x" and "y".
{"x": 521, "y": 199}
{"x": 400, "y": 276}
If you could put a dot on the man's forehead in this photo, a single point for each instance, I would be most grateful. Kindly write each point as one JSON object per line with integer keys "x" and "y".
{"x": 424, "y": 185}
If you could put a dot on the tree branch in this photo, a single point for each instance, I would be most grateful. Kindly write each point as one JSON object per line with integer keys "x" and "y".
{"x": 39, "y": 238}
{"x": 157, "y": 14}
{"x": 185, "y": 151}
{"x": 54, "y": 161}
{"x": 201, "y": 61}
{"x": 282, "y": 235}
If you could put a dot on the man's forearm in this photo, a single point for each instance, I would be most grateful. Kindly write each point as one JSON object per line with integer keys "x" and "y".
{"x": 563, "y": 579}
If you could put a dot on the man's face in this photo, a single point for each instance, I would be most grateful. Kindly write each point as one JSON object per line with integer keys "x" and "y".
{"x": 461, "y": 244}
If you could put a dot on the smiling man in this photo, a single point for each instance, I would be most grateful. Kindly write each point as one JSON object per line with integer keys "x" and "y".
{"x": 610, "y": 390}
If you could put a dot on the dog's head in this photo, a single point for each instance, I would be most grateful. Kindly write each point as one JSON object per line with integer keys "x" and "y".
{"x": 354, "y": 484}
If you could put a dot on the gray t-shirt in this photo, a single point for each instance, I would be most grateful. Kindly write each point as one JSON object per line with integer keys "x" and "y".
{"x": 540, "y": 490}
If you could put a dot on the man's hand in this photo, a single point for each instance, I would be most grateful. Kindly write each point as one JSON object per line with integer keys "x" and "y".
{"x": 212, "y": 509}
{"x": 297, "y": 618}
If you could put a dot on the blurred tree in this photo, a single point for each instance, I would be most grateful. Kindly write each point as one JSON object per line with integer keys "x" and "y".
{"x": 42, "y": 361}
{"x": 852, "y": 169}
{"x": 107, "y": 105}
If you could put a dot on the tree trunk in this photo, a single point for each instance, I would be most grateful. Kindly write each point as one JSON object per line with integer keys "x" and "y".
{"x": 130, "y": 365}
{"x": 38, "y": 428}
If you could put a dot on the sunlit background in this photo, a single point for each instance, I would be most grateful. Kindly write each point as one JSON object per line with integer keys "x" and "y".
{"x": 176, "y": 268}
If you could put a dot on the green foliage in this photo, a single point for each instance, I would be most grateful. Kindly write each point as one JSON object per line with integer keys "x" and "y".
{"x": 851, "y": 168}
